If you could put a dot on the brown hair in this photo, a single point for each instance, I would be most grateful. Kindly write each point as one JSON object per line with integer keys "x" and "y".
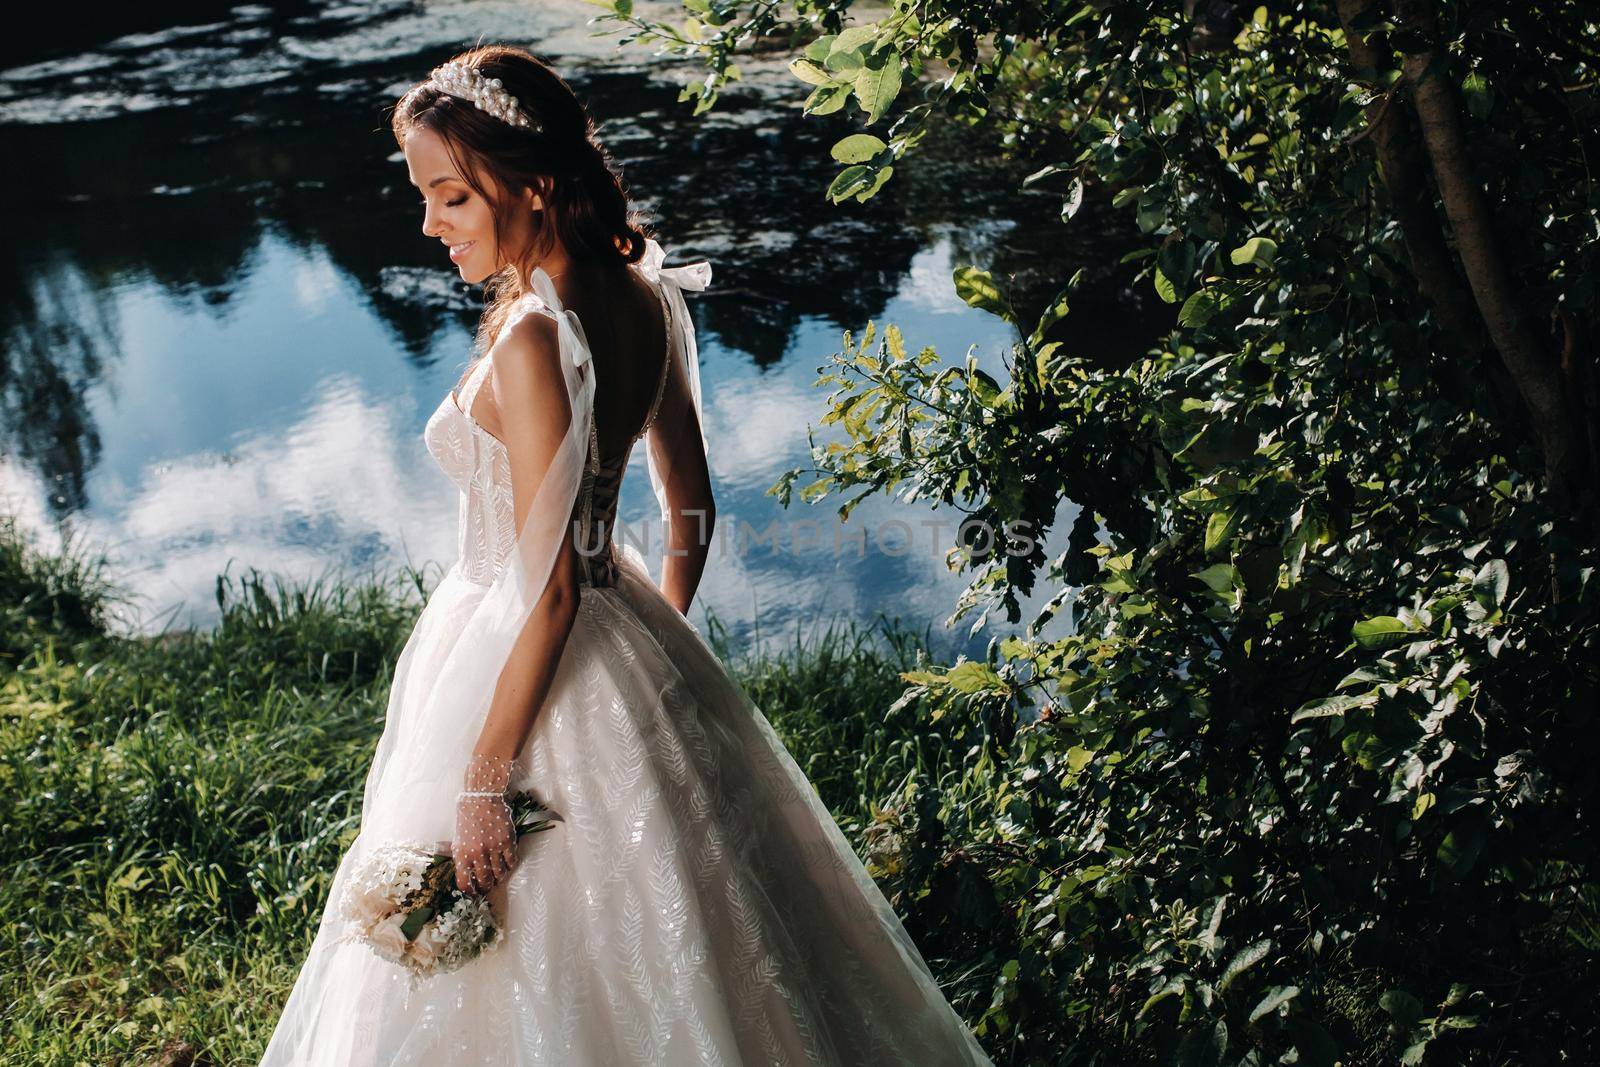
{"x": 586, "y": 204}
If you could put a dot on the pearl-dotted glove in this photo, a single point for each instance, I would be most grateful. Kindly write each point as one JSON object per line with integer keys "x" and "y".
{"x": 485, "y": 844}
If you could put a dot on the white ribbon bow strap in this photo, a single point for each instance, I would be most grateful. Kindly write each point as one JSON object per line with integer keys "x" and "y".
{"x": 673, "y": 281}
{"x": 574, "y": 341}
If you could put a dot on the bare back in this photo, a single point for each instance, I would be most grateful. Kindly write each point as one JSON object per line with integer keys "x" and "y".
{"x": 625, "y": 324}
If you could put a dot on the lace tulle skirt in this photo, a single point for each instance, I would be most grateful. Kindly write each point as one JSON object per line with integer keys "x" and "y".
{"x": 698, "y": 905}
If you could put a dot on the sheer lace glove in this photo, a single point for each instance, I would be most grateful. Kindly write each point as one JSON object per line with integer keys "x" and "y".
{"x": 485, "y": 844}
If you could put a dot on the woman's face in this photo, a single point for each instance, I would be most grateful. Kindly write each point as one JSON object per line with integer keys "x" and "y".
{"x": 456, "y": 215}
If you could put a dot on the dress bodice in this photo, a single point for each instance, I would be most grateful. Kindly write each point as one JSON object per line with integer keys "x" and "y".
{"x": 479, "y": 465}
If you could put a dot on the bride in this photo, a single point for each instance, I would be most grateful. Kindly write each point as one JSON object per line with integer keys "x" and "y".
{"x": 695, "y": 904}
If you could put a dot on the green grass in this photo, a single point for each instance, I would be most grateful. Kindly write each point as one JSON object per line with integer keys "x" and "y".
{"x": 174, "y": 806}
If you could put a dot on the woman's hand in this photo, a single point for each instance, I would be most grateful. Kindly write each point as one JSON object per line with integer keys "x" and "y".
{"x": 485, "y": 843}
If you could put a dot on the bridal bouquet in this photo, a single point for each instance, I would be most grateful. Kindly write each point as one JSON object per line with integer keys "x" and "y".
{"x": 404, "y": 905}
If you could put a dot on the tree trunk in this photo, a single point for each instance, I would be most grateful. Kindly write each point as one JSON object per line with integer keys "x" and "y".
{"x": 1533, "y": 367}
{"x": 1403, "y": 175}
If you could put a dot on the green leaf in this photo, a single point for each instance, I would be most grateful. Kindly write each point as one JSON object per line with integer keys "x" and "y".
{"x": 1360, "y": 676}
{"x": 978, "y": 289}
{"x": 985, "y": 388}
{"x": 1382, "y": 631}
{"x": 1276, "y": 998}
{"x": 1052, "y": 315}
{"x": 1475, "y": 92}
{"x": 1491, "y": 584}
{"x": 817, "y": 51}
{"x": 846, "y": 64}
{"x": 854, "y": 38}
{"x": 1334, "y": 705}
{"x": 1314, "y": 1044}
{"x": 1208, "y": 937}
{"x": 1221, "y": 527}
{"x": 858, "y": 148}
{"x": 1164, "y": 287}
{"x": 1173, "y": 987}
{"x": 1258, "y": 250}
{"x": 826, "y": 99}
{"x": 1405, "y": 1009}
{"x": 808, "y": 71}
{"x": 850, "y": 181}
{"x": 1073, "y": 200}
{"x": 1205, "y": 1046}
{"x": 1221, "y": 577}
{"x": 1246, "y": 959}
{"x": 1040, "y": 174}
{"x": 415, "y": 922}
{"x": 1461, "y": 847}
{"x": 1152, "y": 214}
{"x": 882, "y": 175}
{"x": 1176, "y": 260}
{"x": 972, "y": 677}
{"x": 1198, "y": 309}
{"x": 877, "y": 86}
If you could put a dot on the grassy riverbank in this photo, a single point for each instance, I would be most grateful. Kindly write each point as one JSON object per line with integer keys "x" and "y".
{"x": 173, "y": 807}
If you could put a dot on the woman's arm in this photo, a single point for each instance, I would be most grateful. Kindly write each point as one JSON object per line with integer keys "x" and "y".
{"x": 531, "y": 397}
{"x": 531, "y": 394}
{"x": 675, "y": 446}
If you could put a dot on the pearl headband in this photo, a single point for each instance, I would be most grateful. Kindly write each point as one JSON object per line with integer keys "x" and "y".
{"x": 466, "y": 82}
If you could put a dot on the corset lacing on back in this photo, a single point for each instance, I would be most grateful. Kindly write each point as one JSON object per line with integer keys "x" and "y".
{"x": 601, "y": 488}
{"x": 594, "y": 512}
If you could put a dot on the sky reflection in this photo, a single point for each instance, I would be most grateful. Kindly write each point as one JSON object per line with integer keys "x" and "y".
{"x": 223, "y": 333}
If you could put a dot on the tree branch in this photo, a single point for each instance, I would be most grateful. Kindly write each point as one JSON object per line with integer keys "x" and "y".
{"x": 1534, "y": 369}
{"x": 1401, "y": 167}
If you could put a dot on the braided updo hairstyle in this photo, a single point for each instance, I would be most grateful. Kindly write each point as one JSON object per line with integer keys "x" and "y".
{"x": 586, "y": 205}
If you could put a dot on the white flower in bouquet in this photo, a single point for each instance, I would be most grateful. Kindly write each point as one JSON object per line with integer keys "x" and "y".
{"x": 432, "y": 944}
{"x": 368, "y": 909}
{"x": 404, "y": 905}
{"x": 388, "y": 939}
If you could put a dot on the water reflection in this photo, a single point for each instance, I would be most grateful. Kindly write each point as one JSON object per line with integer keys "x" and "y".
{"x": 223, "y": 331}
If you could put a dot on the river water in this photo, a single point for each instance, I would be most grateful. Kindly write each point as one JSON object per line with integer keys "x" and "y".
{"x": 224, "y": 331}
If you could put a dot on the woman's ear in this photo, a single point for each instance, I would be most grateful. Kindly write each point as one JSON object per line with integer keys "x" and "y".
{"x": 534, "y": 199}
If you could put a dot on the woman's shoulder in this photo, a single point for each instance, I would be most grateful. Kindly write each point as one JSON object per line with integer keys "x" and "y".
{"x": 522, "y": 317}
{"x": 529, "y": 303}
{"x": 529, "y": 329}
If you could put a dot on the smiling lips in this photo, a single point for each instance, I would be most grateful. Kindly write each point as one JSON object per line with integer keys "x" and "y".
{"x": 457, "y": 251}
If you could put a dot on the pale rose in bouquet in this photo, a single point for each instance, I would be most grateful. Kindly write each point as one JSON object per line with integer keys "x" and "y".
{"x": 404, "y": 905}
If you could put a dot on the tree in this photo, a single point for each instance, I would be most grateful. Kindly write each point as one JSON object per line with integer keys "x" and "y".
{"x": 1311, "y": 779}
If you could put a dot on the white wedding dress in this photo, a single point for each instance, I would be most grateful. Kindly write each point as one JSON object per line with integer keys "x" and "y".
{"x": 697, "y": 905}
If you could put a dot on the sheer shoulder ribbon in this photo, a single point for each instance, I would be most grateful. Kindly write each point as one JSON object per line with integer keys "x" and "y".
{"x": 673, "y": 281}
{"x": 411, "y": 788}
